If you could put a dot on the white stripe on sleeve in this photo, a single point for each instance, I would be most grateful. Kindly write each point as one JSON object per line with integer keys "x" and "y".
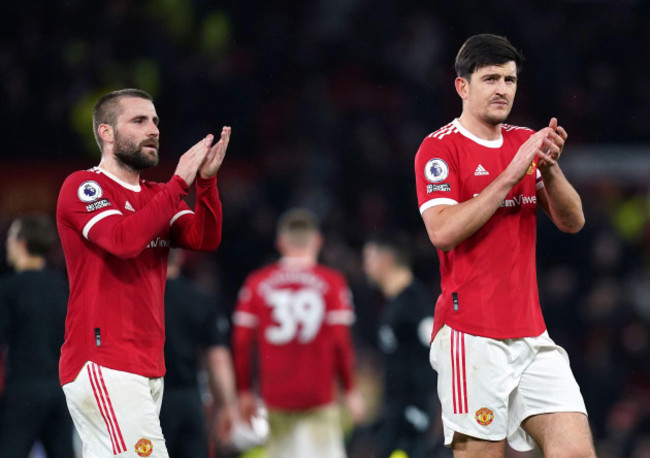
{"x": 97, "y": 218}
{"x": 178, "y": 215}
{"x": 345, "y": 317}
{"x": 439, "y": 201}
{"x": 245, "y": 319}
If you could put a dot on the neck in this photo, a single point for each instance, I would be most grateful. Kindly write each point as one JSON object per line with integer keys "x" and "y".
{"x": 29, "y": 262}
{"x": 299, "y": 258}
{"x": 396, "y": 282}
{"x": 120, "y": 170}
{"x": 479, "y": 127}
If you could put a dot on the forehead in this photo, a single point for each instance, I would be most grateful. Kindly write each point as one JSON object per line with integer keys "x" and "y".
{"x": 135, "y": 106}
{"x": 506, "y": 69}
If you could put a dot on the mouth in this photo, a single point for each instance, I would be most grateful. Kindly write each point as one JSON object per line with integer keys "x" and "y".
{"x": 150, "y": 144}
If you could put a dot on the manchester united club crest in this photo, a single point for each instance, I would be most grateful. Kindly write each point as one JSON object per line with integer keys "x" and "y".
{"x": 531, "y": 169}
{"x": 144, "y": 447}
{"x": 484, "y": 416}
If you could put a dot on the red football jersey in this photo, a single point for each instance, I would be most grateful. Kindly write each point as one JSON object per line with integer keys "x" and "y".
{"x": 488, "y": 281}
{"x": 116, "y": 240}
{"x": 300, "y": 317}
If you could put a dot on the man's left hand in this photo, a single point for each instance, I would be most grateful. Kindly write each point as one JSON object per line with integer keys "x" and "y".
{"x": 215, "y": 156}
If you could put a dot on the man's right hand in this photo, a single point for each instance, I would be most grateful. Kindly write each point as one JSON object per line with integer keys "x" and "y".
{"x": 189, "y": 163}
{"x": 537, "y": 145}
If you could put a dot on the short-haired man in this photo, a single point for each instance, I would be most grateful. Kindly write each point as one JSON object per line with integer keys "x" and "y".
{"x": 405, "y": 324}
{"x": 116, "y": 230}
{"x": 32, "y": 315}
{"x": 479, "y": 184}
{"x": 299, "y": 312}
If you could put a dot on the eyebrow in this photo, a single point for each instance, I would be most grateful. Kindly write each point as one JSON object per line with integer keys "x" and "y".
{"x": 154, "y": 119}
{"x": 499, "y": 75}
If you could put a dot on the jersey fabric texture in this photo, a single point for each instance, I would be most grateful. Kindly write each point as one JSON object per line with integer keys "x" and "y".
{"x": 32, "y": 407}
{"x": 116, "y": 239}
{"x": 300, "y": 316}
{"x": 488, "y": 281}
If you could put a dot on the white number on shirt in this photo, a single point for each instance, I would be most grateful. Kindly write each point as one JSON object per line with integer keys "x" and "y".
{"x": 297, "y": 314}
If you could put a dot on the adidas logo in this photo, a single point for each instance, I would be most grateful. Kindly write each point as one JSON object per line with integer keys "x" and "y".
{"x": 128, "y": 206}
{"x": 480, "y": 170}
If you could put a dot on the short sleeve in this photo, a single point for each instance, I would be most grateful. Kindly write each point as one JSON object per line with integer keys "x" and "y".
{"x": 436, "y": 176}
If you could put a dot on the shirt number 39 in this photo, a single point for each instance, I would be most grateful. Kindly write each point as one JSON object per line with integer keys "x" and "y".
{"x": 296, "y": 313}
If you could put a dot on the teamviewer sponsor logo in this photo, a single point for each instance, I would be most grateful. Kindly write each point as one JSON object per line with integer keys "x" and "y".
{"x": 518, "y": 201}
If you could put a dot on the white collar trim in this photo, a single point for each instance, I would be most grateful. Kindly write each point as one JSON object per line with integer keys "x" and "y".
{"x": 134, "y": 188}
{"x": 498, "y": 143}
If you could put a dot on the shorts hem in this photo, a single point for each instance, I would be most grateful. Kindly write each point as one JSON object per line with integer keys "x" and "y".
{"x": 454, "y": 428}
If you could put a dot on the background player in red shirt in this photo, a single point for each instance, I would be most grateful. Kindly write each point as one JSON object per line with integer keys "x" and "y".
{"x": 299, "y": 312}
{"x": 479, "y": 182}
{"x": 116, "y": 230}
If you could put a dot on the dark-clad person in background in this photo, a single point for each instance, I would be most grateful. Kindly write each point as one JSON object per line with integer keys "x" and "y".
{"x": 33, "y": 304}
{"x": 404, "y": 332}
{"x": 196, "y": 336}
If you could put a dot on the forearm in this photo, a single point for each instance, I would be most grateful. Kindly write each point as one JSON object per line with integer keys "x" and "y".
{"x": 564, "y": 205}
{"x": 201, "y": 231}
{"x": 450, "y": 225}
{"x": 221, "y": 375}
{"x": 344, "y": 356}
{"x": 127, "y": 236}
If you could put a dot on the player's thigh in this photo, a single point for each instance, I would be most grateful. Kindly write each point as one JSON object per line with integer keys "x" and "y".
{"x": 561, "y": 434}
{"x": 116, "y": 413}
{"x": 320, "y": 432}
{"x": 476, "y": 376}
{"x": 470, "y": 447}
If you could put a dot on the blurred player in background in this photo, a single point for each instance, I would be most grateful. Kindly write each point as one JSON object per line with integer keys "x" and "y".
{"x": 479, "y": 183}
{"x": 404, "y": 333}
{"x": 196, "y": 336}
{"x": 116, "y": 230}
{"x": 297, "y": 314}
{"x": 33, "y": 304}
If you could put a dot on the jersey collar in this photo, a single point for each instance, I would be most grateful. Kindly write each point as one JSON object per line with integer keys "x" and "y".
{"x": 498, "y": 143}
{"x": 134, "y": 188}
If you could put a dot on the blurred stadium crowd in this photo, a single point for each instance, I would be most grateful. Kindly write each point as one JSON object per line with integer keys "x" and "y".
{"x": 329, "y": 101}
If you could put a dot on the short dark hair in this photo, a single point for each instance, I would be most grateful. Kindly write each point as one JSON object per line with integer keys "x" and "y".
{"x": 397, "y": 244}
{"x": 106, "y": 110}
{"x": 483, "y": 50}
{"x": 38, "y": 232}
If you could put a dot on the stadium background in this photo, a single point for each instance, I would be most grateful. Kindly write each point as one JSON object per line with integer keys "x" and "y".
{"x": 329, "y": 100}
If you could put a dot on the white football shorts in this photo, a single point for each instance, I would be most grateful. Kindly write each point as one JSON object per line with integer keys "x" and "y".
{"x": 116, "y": 413}
{"x": 487, "y": 387}
{"x": 313, "y": 433}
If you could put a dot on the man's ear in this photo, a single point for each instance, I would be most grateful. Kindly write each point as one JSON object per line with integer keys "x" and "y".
{"x": 106, "y": 133}
{"x": 462, "y": 87}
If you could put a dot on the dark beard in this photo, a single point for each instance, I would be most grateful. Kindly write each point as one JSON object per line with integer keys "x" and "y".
{"x": 131, "y": 155}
